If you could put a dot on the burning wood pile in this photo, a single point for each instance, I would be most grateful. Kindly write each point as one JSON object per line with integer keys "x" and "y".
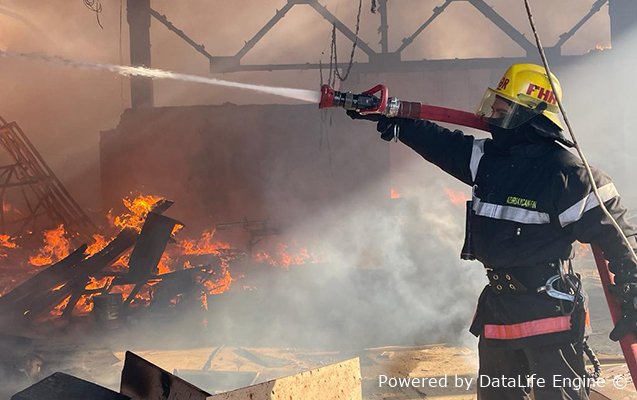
{"x": 143, "y": 266}
{"x": 107, "y": 278}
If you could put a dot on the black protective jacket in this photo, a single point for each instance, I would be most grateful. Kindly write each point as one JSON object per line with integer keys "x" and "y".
{"x": 531, "y": 202}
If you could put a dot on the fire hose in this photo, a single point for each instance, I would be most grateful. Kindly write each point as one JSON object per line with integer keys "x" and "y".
{"x": 377, "y": 101}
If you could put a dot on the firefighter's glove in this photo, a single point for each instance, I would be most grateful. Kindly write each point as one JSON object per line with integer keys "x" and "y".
{"x": 626, "y": 296}
{"x": 389, "y": 128}
{"x": 625, "y": 271}
{"x": 386, "y": 126}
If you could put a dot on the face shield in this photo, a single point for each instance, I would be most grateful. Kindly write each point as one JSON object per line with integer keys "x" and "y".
{"x": 504, "y": 113}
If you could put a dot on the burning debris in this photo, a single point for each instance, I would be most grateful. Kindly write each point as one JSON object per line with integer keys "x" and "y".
{"x": 144, "y": 265}
{"x": 56, "y": 247}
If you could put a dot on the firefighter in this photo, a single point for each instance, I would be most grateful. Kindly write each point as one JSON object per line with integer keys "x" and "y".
{"x": 531, "y": 201}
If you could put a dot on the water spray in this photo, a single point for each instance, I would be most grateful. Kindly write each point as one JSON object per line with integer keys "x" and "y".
{"x": 309, "y": 96}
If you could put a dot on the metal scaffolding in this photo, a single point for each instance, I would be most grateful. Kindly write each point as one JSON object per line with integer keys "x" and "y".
{"x": 43, "y": 201}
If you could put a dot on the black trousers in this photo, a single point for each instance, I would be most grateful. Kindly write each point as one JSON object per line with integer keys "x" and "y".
{"x": 554, "y": 372}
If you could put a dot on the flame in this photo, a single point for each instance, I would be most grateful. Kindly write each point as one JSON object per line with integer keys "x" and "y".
{"x": 602, "y": 47}
{"x": 142, "y": 298}
{"x": 283, "y": 258}
{"x": 122, "y": 263}
{"x": 204, "y": 245}
{"x": 55, "y": 248}
{"x": 138, "y": 209}
{"x": 6, "y": 242}
{"x": 456, "y": 197}
{"x": 59, "y": 309}
{"x": 220, "y": 285}
{"x": 393, "y": 194}
{"x": 163, "y": 266}
{"x": 99, "y": 242}
{"x": 84, "y": 305}
{"x": 98, "y": 283}
{"x": 55, "y": 289}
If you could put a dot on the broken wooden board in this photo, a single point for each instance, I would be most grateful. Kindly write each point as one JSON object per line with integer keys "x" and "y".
{"x": 45, "y": 280}
{"x": 150, "y": 245}
{"x": 80, "y": 275}
{"x": 61, "y": 386}
{"x": 341, "y": 381}
{"x": 142, "y": 380}
{"x": 38, "y": 295}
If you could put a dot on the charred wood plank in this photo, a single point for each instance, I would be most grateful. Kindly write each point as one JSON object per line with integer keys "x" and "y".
{"x": 44, "y": 291}
{"x": 46, "y": 280}
{"x": 60, "y": 386}
{"x": 88, "y": 267}
{"x": 133, "y": 293}
{"x": 150, "y": 246}
{"x": 147, "y": 253}
{"x": 161, "y": 206}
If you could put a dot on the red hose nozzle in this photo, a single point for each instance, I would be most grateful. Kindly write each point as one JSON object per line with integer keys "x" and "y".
{"x": 327, "y": 97}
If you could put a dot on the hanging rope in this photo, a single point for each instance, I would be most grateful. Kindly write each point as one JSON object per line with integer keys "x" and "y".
{"x": 96, "y": 7}
{"x": 572, "y": 133}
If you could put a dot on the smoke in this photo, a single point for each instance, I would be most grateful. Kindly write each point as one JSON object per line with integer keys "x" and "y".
{"x": 421, "y": 292}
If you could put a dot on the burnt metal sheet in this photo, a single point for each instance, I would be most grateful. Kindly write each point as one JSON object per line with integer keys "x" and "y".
{"x": 341, "y": 381}
{"x": 142, "y": 380}
{"x": 60, "y": 386}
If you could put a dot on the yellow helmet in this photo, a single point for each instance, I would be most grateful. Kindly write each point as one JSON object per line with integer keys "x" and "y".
{"x": 523, "y": 92}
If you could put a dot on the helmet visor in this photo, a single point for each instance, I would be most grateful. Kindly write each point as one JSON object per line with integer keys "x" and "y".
{"x": 499, "y": 111}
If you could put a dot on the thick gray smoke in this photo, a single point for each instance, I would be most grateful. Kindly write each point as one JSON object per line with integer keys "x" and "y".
{"x": 390, "y": 274}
